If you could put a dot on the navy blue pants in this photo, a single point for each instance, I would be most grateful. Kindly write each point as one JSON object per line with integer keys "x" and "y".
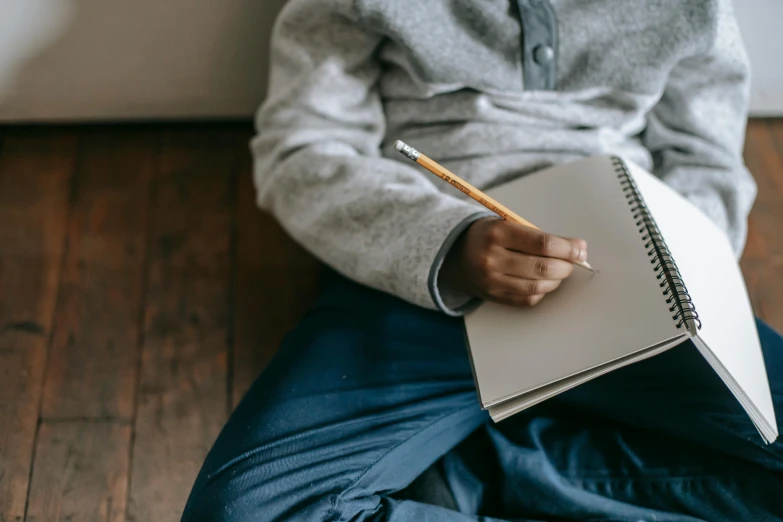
{"x": 368, "y": 392}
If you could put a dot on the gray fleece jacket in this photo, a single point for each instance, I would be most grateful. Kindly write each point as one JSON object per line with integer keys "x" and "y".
{"x": 491, "y": 89}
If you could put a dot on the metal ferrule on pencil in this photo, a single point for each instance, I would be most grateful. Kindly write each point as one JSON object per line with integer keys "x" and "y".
{"x": 407, "y": 150}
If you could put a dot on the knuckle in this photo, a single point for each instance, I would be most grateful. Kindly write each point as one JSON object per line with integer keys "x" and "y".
{"x": 486, "y": 263}
{"x": 541, "y": 267}
{"x": 533, "y": 288}
{"x": 500, "y": 293}
{"x": 495, "y": 233}
{"x": 544, "y": 243}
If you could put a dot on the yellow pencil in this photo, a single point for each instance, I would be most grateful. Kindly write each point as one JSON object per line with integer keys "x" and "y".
{"x": 454, "y": 180}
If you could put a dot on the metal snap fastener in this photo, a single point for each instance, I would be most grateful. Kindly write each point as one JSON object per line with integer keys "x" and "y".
{"x": 543, "y": 54}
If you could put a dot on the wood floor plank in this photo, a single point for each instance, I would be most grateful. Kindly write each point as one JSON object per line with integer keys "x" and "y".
{"x": 35, "y": 173}
{"x": 183, "y": 390}
{"x": 81, "y": 472}
{"x": 766, "y": 164}
{"x": 770, "y": 290}
{"x": 756, "y": 246}
{"x": 93, "y": 361}
{"x": 776, "y": 174}
{"x": 202, "y": 197}
{"x": 276, "y": 281}
{"x": 762, "y": 261}
{"x": 765, "y": 285}
{"x": 776, "y": 129}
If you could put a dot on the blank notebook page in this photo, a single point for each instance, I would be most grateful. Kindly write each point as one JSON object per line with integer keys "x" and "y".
{"x": 714, "y": 280}
{"x": 590, "y": 319}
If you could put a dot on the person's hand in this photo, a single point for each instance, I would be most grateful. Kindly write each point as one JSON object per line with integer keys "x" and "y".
{"x": 502, "y": 261}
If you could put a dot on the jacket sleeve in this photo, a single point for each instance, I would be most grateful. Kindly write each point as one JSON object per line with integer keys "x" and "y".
{"x": 697, "y": 130}
{"x": 318, "y": 167}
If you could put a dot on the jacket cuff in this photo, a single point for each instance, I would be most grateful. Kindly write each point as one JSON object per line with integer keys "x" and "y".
{"x": 446, "y": 299}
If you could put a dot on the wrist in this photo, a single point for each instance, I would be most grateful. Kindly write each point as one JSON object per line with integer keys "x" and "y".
{"x": 449, "y": 290}
{"x": 452, "y": 272}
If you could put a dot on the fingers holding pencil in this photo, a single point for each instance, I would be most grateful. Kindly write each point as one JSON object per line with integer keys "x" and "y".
{"x": 476, "y": 194}
{"x": 502, "y": 261}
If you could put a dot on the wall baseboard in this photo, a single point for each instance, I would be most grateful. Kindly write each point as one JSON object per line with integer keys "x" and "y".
{"x": 125, "y": 60}
{"x": 766, "y": 103}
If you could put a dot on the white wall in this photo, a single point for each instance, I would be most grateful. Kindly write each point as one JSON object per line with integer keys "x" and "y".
{"x": 95, "y": 59}
{"x": 128, "y": 59}
{"x": 761, "y": 22}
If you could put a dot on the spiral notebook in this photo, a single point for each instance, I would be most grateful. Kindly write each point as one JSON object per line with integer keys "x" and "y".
{"x": 666, "y": 274}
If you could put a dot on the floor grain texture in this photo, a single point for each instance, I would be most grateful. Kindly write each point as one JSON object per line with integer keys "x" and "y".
{"x": 142, "y": 292}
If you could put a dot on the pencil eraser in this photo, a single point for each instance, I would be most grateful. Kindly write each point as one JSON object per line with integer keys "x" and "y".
{"x": 399, "y": 145}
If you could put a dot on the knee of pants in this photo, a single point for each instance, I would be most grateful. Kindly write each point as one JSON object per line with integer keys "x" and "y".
{"x": 241, "y": 499}
{"x": 270, "y": 487}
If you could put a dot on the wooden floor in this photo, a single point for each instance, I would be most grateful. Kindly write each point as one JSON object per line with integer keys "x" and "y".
{"x": 141, "y": 292}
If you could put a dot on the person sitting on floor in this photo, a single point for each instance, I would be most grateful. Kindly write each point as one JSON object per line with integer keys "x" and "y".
{"x": 369, "y": 410}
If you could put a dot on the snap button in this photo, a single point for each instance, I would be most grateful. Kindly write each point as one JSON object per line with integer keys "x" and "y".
{"x": 543, "y": 54}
